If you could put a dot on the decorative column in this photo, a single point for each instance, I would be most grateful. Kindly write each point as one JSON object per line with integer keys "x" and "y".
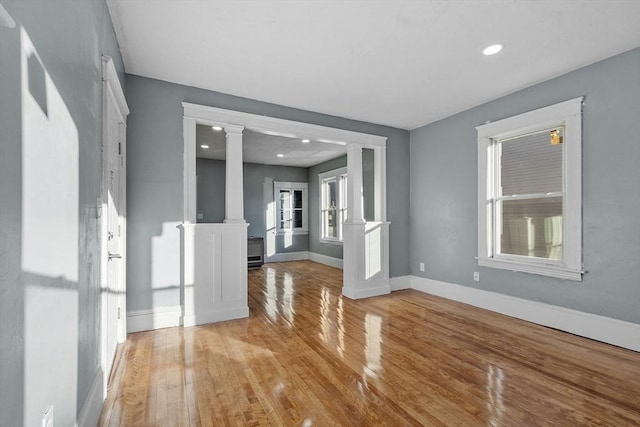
{"x": 355, "y": 213}
{"x": 353, "y": 228}
{"x": 234, "y": 188}
{"x": 380, "y": 183}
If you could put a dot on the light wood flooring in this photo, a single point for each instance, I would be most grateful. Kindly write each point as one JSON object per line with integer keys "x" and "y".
{"x": 307, "y": 356}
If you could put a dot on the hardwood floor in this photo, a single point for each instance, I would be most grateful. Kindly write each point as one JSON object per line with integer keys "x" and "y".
{"x": 307, "y": 356}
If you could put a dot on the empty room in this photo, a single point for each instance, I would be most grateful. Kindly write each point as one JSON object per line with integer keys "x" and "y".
{"x": 311, "y": 213}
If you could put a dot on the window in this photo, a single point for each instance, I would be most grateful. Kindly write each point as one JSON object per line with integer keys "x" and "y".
{"x": 333, "y": 204}
{"x": 291, "y": 207}
{"x": 529, "y": 192}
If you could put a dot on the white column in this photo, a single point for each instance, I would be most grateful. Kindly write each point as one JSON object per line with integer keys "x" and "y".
{"x": 355, "y": 213}
{"x": 189, "y": 173}
{"x": 380, "y": 183}
{"x": 234, "y": 188}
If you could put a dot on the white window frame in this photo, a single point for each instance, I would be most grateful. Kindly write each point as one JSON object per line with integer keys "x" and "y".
{"x": 341, "y": 196}
{"x": 291, "y": 186}
{"x": 569, "y": 115}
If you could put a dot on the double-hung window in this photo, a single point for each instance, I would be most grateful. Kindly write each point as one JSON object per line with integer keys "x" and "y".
{"x": 333, "y": 204}
{"x": 291, "y": 207}
{"x": 529, "y": 192}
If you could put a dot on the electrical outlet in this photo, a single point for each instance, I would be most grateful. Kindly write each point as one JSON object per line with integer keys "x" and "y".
{"x": 476, "y": 276}
{"x": 422, "y": 266}
{"x": 47, "y": 418}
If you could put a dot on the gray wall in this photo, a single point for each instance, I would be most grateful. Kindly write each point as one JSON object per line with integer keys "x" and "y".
{"x": 70, "y": 37}
{"x": 155, "y": 166}
{"x": 315, "y": 245}
{"x": 258, "y": 194}
{"x": 444, "y": 191}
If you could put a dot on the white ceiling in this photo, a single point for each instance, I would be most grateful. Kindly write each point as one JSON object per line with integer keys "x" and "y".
{"x": 398, "y": 63}
{"x": 261, "y": 148}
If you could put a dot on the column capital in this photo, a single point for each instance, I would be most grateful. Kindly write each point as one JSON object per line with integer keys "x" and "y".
{"x": 233, "y": 129}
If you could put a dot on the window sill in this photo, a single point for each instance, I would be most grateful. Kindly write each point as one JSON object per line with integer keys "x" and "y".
{"x": 294, "y": 232}
{"x": 558, "y": 271}
{"x": 331, "y": 242}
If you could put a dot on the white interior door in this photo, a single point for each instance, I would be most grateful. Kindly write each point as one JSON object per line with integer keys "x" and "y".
{"x": 114, "y": 163}
{"x": 113, "y": 208}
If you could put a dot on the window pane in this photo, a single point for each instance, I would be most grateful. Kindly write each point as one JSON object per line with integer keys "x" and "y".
{"x": 531, "y": 227}
{"x": 332, "y": 230}
{"x": 331, "y": 194}
{"x": 297, "y": 199}
{"x": 297, "y": 218}
{"x": 530, "y": 164}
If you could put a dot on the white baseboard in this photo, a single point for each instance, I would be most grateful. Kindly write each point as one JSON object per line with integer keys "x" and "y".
{"x": 287, "y": 256}
{"x": 155, "y": 318}
{"x": 400, "y": 283}
{"x": 599, "y": 328}
{"x": 92, "y": 406}
{"x": 215, "y": 315}
{"x": 380, "y": 288}
{"x": 326, "y": 260}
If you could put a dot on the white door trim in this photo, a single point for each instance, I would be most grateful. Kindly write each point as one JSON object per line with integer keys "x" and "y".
{"x": 112, "y": 94}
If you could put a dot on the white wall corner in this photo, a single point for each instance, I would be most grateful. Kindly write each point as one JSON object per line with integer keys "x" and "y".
{"x": 92, "y": 407}
{"x": 400, "y": 283}
{"x": 599, "y": 328}
{"x": 155, "y": 318}
{"x": 326, "y": 260}
{"x": 287, "y": 256}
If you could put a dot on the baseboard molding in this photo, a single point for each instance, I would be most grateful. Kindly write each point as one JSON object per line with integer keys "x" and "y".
{"x": 599, "y": 328}
{"x": 326, "y": 260}
{"x": 155, "y": 318}
{"x": 372, "y": 291}
{"x": 92, "y": 407}
{"x": 287, "y": 256}
{"x": 211, "y": 316}
{"x": 400, "y": 283}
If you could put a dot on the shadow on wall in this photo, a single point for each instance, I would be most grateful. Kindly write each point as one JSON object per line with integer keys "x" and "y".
{"x": 49, "y": 236}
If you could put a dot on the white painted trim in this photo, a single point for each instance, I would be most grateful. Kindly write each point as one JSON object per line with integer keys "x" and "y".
{"x": 216, "y": 315}
{"x": 92, "y": 406}
{"x": 379, "y": 287}
{"x": 599, "y": 328}
{"x": 400, "y": 283}
{"x": 287, "y": 256}
{"x": 110, "y": 75}
{"x": 326, "y": 260}
{"x": 155, "y": 318}
{"x": 281, "y": 127}
{"x": 569, "y": 114}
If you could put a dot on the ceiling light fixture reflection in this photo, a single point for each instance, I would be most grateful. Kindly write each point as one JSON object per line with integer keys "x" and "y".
{"x": 205, "y": 146}
{"x": 216, "y": 128}
{"x": 493, "y": 49}
{"x": 305, "y": 141}
{"x": 280, "y": 155}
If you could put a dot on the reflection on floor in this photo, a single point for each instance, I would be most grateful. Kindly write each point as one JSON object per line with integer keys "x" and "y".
{"x": 307, "y": 356}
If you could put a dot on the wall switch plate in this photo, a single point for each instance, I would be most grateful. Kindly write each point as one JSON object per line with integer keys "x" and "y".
{"x": 476, "y": 276}
{"x": 422, "y": 266}
{"x": 47, "y": 418}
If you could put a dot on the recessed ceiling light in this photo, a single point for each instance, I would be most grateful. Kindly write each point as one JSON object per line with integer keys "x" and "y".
{"x": 205, "y": 146}
{"x": 493, "y": 49}
{"x": 280, "y": 155}
{"x": 305, "y": 141}
{"x": 216, "y": 128}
